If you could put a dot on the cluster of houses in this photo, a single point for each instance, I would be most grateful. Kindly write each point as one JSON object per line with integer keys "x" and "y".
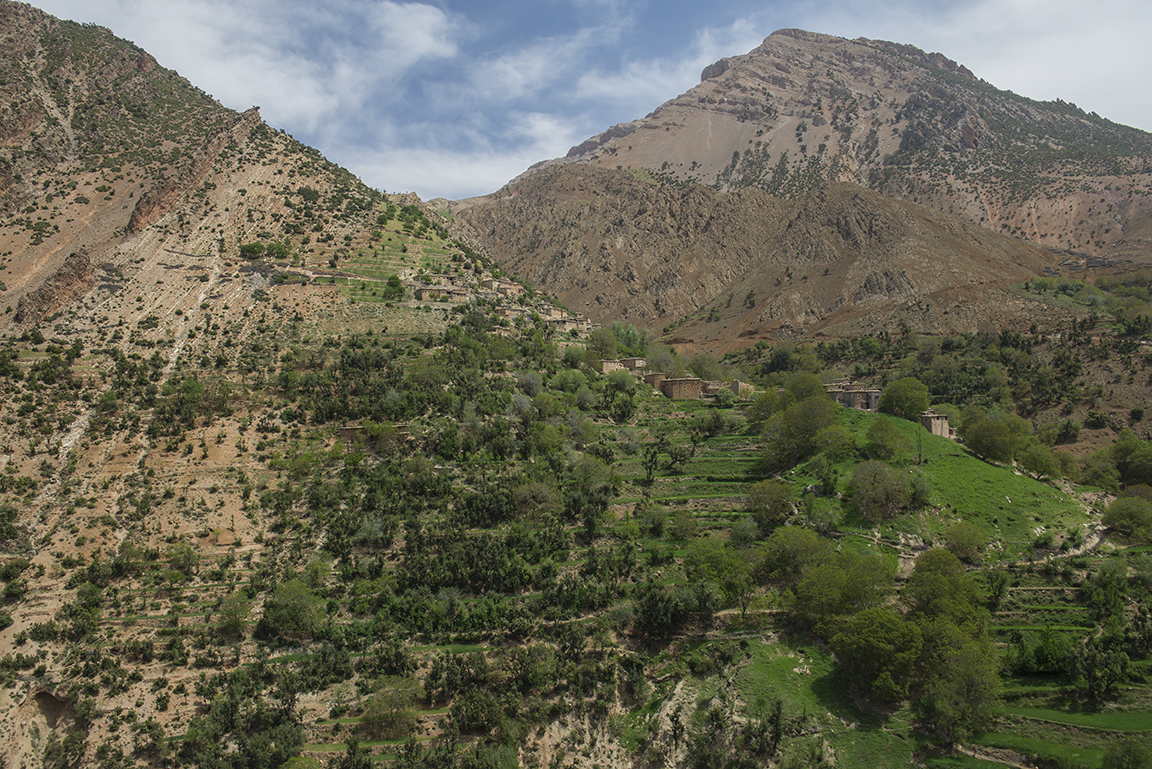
{"x": 677, "y": 388}
{"x": 463, "y": 288}
{"x": 853, "y": 395}
{"x": 458, "y": 289}
{"x": 560, "y": 321}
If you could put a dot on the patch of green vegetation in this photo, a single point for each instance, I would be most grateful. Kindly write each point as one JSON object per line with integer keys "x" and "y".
{"x": 1111, "y": 720}
{"x": 1050, "y": 750}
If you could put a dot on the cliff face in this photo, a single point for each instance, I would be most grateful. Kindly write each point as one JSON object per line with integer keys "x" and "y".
{"x": 744, "y": 265}
{"x": 803, "y": 109}
{"x": 111, "y": 163}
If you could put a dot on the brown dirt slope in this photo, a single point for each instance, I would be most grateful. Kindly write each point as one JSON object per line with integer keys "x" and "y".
{"x": 744, "y": 265}
{"x": 804, "y": 108}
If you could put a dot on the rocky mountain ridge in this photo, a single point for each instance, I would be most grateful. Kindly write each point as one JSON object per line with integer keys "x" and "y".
{"x": 744, "y": 265}
{"x": 805, "y": 108}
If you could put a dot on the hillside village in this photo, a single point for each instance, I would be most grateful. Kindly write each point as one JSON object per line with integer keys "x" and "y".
{"x": 610, "y": 469}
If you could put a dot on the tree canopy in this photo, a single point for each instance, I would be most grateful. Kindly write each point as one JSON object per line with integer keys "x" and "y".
{"x": 907, "y": 398}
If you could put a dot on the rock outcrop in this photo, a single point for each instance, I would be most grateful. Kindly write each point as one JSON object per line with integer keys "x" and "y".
{"x": 745, "y": 265}
{"x": 803, "y": 109}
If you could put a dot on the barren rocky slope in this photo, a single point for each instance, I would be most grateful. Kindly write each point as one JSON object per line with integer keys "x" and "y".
{"x": 804, "y": 108}
{"x": 744, "y": 265}
{"x": 117, "y": 175}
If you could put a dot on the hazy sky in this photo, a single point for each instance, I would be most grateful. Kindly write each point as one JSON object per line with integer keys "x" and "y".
{"x": 453, "y": 98}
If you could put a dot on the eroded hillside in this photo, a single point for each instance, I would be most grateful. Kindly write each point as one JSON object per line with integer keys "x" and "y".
{"x": 744, "y": 265}
{"x": 804, "y": 108}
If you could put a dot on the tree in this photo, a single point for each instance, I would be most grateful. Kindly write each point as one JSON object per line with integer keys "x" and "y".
{"x": 183, "y": 558}
{"x": 657, "y": 614}
{"x": 998, "y": 583}
{"x": 771, "y": 502}
{"x": 390, "y": 713}
{"x": 789, "y": 435}
{"x": 1139, "y": 469}
{"x": 907, "y": 398}
{"x": 234, "y": 611}
{"x": 845, "y": 584}
{"x": 803, "y": 385}
{"x": 965, "y": 541}
{"x": 275, "y": 251}
{"x": 1131, "y": 516}
{"x": 711, "y": 560}
{"x": 1099, "y": 469}
{"x": 355, "y": 757}
{"x": 394, "y": 288}
{"x": 791, "y": 551}
{"x": 940, "y": 587}
{"x": 705, "y": 367}
{"x": 251, "y": 250}
{"x": 836, "y": 442}
{"x": 992, "y": 440}
{"x": 1039, "y": 460}
{"x": 1127, "y": 752}
{"x": 962, "y": 691}
{"x": 884, "y": 440}
{"x": 878, "y": 650}
{"x": 878, "y": 492}
{"x": 602, "y": 343}
{"x": 1098, "y": 667}
{"x": 826, "y": 474}
{"x": 292, "y": 610}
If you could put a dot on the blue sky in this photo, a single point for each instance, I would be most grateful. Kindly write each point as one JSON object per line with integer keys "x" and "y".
{"x": 453, "y": 99}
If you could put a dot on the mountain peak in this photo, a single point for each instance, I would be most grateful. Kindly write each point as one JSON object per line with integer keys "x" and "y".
{"x": 804, "y": 108}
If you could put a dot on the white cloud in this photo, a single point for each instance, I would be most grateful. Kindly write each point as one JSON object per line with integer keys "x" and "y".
{"x": 439, "y": 168}
{"x": 450, "y": 98}
{"x": 647, "y": 83}
{"x": 304, "y": 65}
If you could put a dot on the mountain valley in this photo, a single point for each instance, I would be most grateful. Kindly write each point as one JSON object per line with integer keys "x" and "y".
{"x": 297, "y": 473}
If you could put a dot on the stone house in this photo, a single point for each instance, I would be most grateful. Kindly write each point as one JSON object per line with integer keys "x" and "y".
{"x": 686, "y": 388}
{"x": 937, "y": 424}
{"x": 854, "y": 396}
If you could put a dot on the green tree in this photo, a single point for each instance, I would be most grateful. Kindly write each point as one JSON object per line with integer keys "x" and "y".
{"x": 1099, "y": 667}
{"x": 1127, "y": 752}
{"x": 965, "y": 541}
{"x": 355, "y": 757}
{"x": 251, "y": 250}
{"x": 842, "y": 586}
{"x": 1139, "y": 468}
{"x": 390, "y": 712}
{"x": 789, "y": 435}
{"x": 992, "y": 440}
{"x": 791, "y": 551}
{"x": 961, "y": 693}
{"x": 884, "y": 439}
{"x": 1131, "y": 516}
{"x": 878, "y": 650}
{"x": 234, "y": 612}
{"x": 803, "y": 385}
{"x": 712, "y": 560}
{"x": 602, "y": 343}
{"x": 1039, "y": 460}
{"x": 877, "y": 491}
{"x": 705, "y": 367}
{"x": 274, "y": 251}
{"x": 771, "y": 502}
{"x": 907, "y": 398}
{"x": 940, "y": 587}
{"x": 291, "y": 611}
{"x": 835, "y": 442}
{"x": 183, "y": 558}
